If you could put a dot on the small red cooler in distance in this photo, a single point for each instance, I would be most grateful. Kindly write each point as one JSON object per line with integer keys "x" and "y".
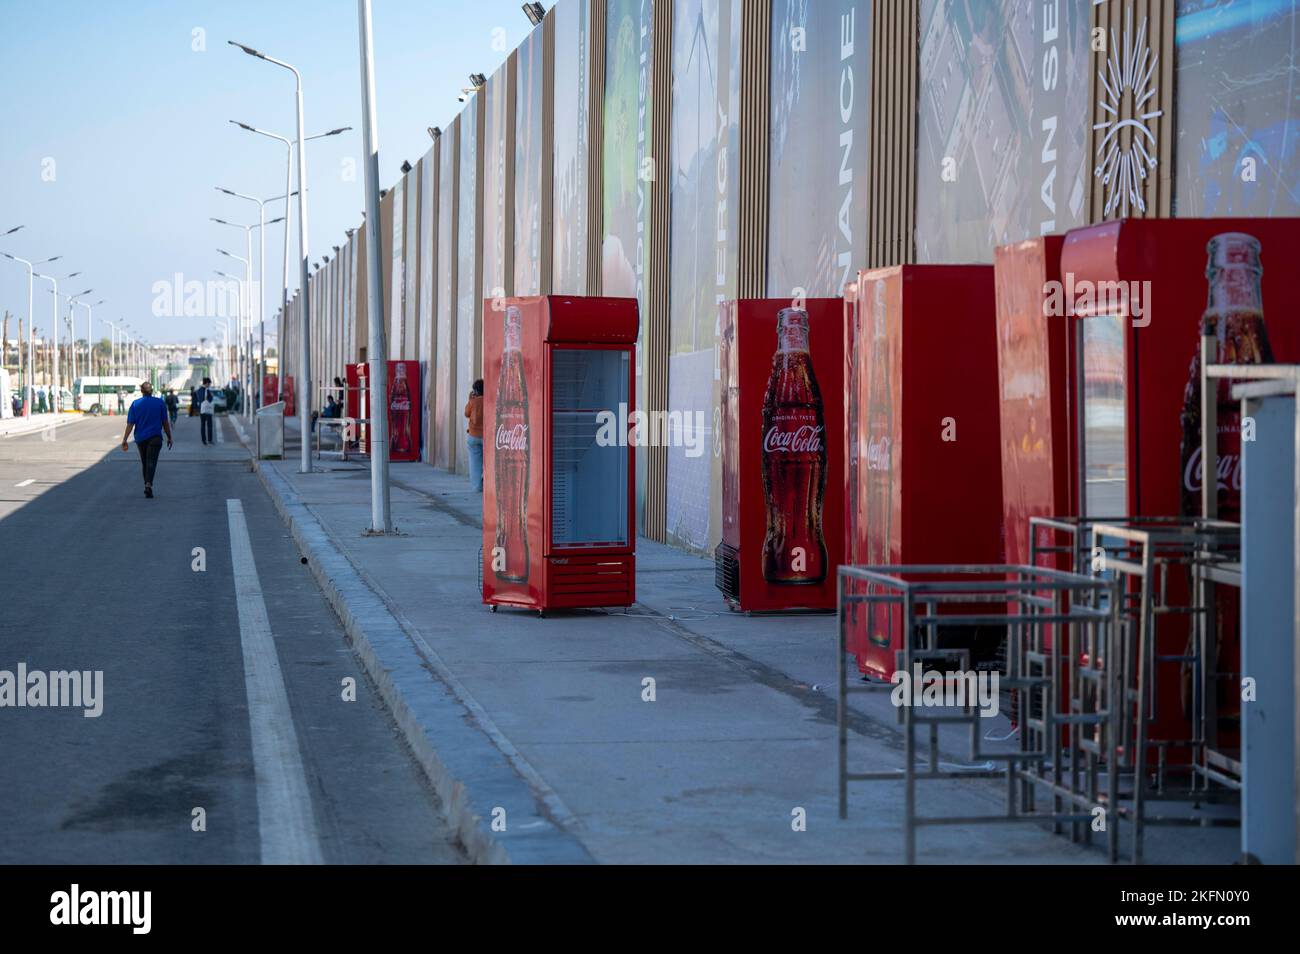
{"x": 782, "y": 457}
{"x": 923, "y": 403}
{"x": 558, "y": 452}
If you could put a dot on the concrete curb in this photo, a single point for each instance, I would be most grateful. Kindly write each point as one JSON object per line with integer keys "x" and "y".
{"x": 471, "y": 774}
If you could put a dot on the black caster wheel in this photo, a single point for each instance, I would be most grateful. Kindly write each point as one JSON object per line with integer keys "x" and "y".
{"x": 493, "y": 607}
{"x": 541, "y": 614}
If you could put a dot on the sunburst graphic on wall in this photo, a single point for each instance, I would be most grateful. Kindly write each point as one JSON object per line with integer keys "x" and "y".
{"x": 1126, "y": 159}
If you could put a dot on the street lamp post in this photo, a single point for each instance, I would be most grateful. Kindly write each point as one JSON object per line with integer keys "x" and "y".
{"x": 248, "y": 238}
{"x": 245, "y": 295}
{"x": 288, "y": 182}
{"x": 54, "y": 370}
{"x": 31, "y": 333}
{"x": 380, "y": 495}
{"x": 261, "y": 267}
{"x": 304, "y": 370}
{"x": 90, "y": 324}
{"x": 239, "y": 317}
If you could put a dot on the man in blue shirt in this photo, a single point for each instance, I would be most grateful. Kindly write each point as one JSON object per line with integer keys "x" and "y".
{"x": 148, "y": 415}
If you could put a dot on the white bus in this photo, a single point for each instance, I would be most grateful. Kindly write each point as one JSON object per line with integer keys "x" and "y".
{"x": 105, "y": 395}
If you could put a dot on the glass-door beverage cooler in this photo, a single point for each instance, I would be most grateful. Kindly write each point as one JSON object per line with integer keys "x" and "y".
{"x": 558, "y": 472}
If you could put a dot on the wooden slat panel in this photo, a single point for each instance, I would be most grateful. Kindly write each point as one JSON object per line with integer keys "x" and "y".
{"x": 657, "y": 314}
{"x": 755, "y": 149}
{"x": 596, "y": 146}
{"x": 1122, "y": 21}
{"x": 892, "y": 140}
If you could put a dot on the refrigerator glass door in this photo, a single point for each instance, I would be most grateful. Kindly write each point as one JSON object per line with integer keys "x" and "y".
{"x": 589, "y": 456}
{"x": 1106, "y": 480}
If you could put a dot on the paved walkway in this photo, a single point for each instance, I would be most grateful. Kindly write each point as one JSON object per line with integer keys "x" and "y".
{"x": 741, "y": 734}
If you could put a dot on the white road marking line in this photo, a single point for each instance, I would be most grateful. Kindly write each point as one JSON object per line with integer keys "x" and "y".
{"x": 24, "y": 483}
{"x": 285, "y": 818}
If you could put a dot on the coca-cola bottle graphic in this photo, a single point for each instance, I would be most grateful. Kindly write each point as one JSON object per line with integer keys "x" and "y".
{"x": 1235, "y": 313}
{"x": 511, "y": 456}
{"x": 878, "y": 459}
{"x": 794, "y": 459}
{"x": 399, "y": 411}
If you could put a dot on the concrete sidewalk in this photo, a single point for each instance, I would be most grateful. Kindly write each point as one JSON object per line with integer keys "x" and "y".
{"x": 740, "y": 736}
{"x": 13, "y": 426}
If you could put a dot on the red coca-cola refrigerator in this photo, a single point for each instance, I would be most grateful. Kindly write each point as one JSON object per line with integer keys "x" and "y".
{"x": 270, "y": 388}
{"x": 782, "y": 365}
{"x": 402, "y": 405}
{"x": 923, "y": 481}
{"x": 290, "y": 407}
{"x": 560, "y": 427}
{"x": 1142, "y": 290}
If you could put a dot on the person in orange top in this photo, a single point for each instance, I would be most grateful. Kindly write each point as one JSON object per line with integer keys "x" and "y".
{"x": 474, "y": 435}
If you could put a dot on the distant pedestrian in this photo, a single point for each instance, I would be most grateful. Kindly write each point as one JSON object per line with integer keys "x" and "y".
{"x": 40, "y": 400}
{"x": 148, "y": 415}
{"x": 203, "y": 399}
{"x": 474, "y": 435}
{"x": 173, "y": 405}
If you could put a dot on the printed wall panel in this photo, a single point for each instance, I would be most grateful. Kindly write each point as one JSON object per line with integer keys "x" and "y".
{"x": 411, "y": 269}
{"x": 704, "y": 174}
{"x": 820, "y": 124}
{"x": 572, "y": 76}
{"x": 1238, "y": 108}
{"x": 448, "y": 261}
{"x": 428, "y": 295}
{"x": 627, "y": 176}
{"x": 1002, "y": 141}
{"x": 469, "y": 273}
{"x": 532, "y": 230}
{"x": 395, "y": 290}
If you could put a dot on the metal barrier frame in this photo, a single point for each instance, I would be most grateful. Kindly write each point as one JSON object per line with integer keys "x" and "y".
{"x": 1085, "y": 607}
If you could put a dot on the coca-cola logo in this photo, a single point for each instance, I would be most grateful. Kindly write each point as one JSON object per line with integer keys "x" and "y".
{"x": 512, "y": 438}
{"x": 1228, "y": 472}
{"x": 806, "y": 439}
{"x": 878, "y": 453}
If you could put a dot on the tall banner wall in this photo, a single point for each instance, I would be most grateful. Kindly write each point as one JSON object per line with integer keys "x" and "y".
{"x": 572, "y": 74}
{"x": 1238, "y": 106}
{"x": 821, "y": 111}
{"x": 445, "y": 348}
{"x": 1001, "y": 147}
{"x": 704, "y": 175}
{"x": 628, "y": 176}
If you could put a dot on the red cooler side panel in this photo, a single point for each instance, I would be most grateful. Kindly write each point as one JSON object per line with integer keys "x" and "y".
{"x": 500, "y": 494}
{"x": 1034, "y": 379}
{"x": 929, "y": 477}
{"x": 270, "y": 389}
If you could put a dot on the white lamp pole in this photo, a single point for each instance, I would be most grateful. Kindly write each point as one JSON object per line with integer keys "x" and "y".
{"x": 380, "y": 495}
{"x": 31, "y": 332}
{"x": 304, "y": 370}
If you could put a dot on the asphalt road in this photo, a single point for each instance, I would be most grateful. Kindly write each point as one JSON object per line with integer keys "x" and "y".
{"x": 93, "y": 576}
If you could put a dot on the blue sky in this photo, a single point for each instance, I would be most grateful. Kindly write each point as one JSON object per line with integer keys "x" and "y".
{"x": 135, "y": 121}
